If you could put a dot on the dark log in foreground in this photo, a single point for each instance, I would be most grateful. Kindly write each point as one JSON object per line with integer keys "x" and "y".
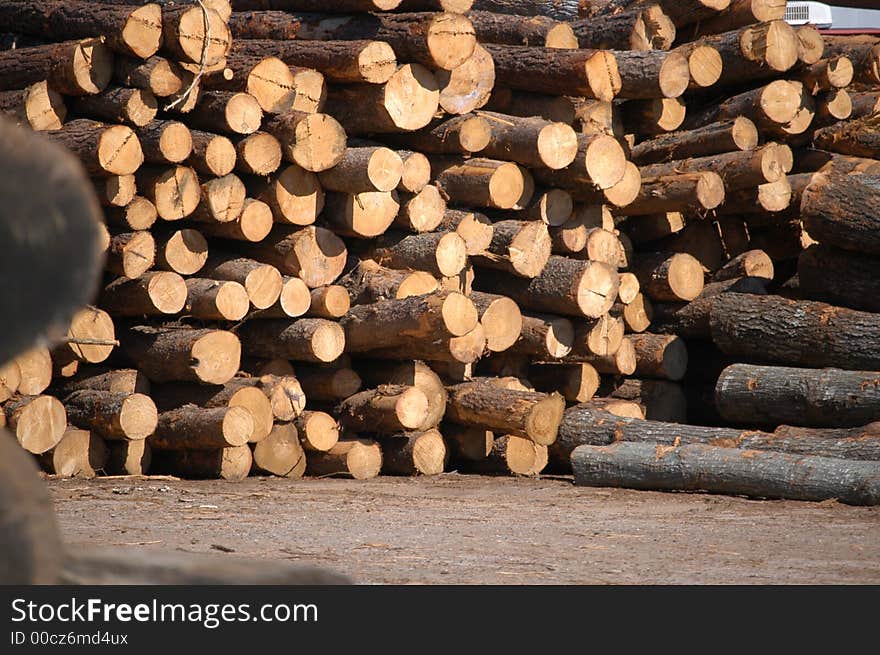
{"x": 583, "y": 426}
{"x": 844, "y": 211}
{"x": 773, "y": 395}
{"x": 727, "y": 471}
{"x": 843, "y": 278}
{"x": 774, "y": 329}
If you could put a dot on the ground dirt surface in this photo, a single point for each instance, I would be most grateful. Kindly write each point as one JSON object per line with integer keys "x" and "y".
{"x": 465, "y": 529}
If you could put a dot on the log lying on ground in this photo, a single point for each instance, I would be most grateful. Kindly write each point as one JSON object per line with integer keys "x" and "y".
{"x": 232, "y": 464}
{"x": 842, "y": 211}
{"x": 727, "y": 136}
{"x": 360, "y": 459}
{"x": 510, "y": 454}
{"x": 164, "y": 355}
{"x": 669, "y": 277}
{"x": 191, "y": 427}
{"x": 727, "y": 470}
{"x": 659, "y": 355}
{"x": 774, "y": 395}
{"x": 565, "y": 286}
{"x": 153, "y": 293}
{"x": 39, "y": 106}
{"x": 281, "y": 453}
{"x": 774, "y": 329}
{"x": 368, "y": 282}
{"x": 79, "y": 454}
{"x": 73, "y": 67}
{"x": 840, "y": 277}
{"x": 436, "y": 253}
{"x": 38, "y": 422}
{"x": 413, "y": 453}
{"x": 306, "y": 339}
{"x": 129, "y": 457}
{"x": 501, "y": 320}
{"x": 526, "y": 414}
{"x": 386, "y": 409}
{"x": 114, "y": 416}
{"x": 582, "y": 426}
{"x": 587, "y": 73}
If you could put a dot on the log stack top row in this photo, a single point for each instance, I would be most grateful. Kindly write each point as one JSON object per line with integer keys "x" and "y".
{"x": 406, "y": 235}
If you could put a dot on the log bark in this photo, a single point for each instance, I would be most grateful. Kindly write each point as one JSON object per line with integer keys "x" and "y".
{"x": 360, "y": 459}
{"x": 843, "y": 278}
{"x": 565, "y": 286}
{"x": 522, "y": 103}
{"x": 660, "y": 356}
{"x": 621, "y": 362}
{"x": 411, "y": 374}
{"x": 232, "y": 464}
{"x": 306, "y": 339}
{"x": 436, "y": 253}
{"x": 123, "y": 380}
{"x": 480, "y": 182}
{"x": 533, "y": 416}
{"x": 72, "y": 68}
{"x": 521, "y": 248}
{"x": 641, "y": 27}
{"x": 164, "y": 355}
{"x": 768, "y": 106}
{"x": 117, "y": 104}
{"x": 843, "y": 210}
{"x": 586, "y": 73}
{"x": 466, "y": 443}
{"x": 190, "y": 427}
{"x": 669, "y": 277}
{"x": 600, "y": 164}
{"x": 538, "y": 31}
{"x": 682, "y": 192}
{"x": 864, "y": 51}
{"x": 774, "y": 329}
{"x": 387, "y": 409}
{"x": 328, "y": 384}
{"x": 858, "y": 137}
{"x": 112, "y": 415}
{"x": 738, "y": 170}
{"x": 457, "y": 135}
{"x": 262, "y": 282}
{"x": 728, "y": 471}
{"x": 152, "y": 294}
{"x": 727, "y": 136}
{"x": 368, "y": 282}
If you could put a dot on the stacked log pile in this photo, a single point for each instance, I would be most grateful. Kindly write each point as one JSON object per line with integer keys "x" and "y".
{"x": 401, "y": 237}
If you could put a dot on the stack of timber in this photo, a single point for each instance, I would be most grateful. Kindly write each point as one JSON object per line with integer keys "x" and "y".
{"x": 413, "y": 236}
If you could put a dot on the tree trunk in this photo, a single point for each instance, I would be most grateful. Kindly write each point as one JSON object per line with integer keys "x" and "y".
{"x": 565, "y": 286}
{"x": 182, "y": 251}
{"x": 35, "y": 371}
{"x": 424, "y": 212}
{"x": 328, "y": 384}
{"x": 738, "y": 170}
{"x": 152, "y": 294}
{"x": 386, "y": 409}
{"x": 512, "y": 455}
{"x": 39, "y": 106}
{"x": 306, "y": 339}
{"x": 652, "y": 74}
{"x": 768, "y": 106}
{"x": 174, "y": 190}
{"x": 457, "y": 135}
{"x": 38, "y": 422}
{"x": 73, "y": 68}
{"x": 728, "y": 471}
{"x": 774, "y": 329}
{"x": 669, "y": 278}
{"x": 131, "y": 254}
{"x": 501, "y": 320}
{"x": 683, "y": 192}
{"x": 368, "y": 282}
{"x": 520, "y": 248}
{"x": 533, "y": 142}
{"x": 314, "y": 254}
{"x": 727, "y": 136}
{"x": 360, "y": 459}
{"x": 526, "y": 414}
{"x": 660, "y": 356}
{"x": 195, "y": 428}
{"x": 318, "y": 431}
{"x": 586, "y": 73}
{"x": 117, "y": 104}
{"x": 102, "y": 149}
{"x": 164, "y": 354}
{"x": 642, "y": 27}
{"x": 361, "y": 215}
{"x": 439, "y": 254}
{"x": 844, "y": 278}
{"x": 120, "y": 380}
{"x": 480, "y": 182}
{"x": 227, "y": 112}
{"x": 156, "y": 74}
{"x": 262, "y": 282}
{"x": 112, "y": 415}
{"x": 413, "y": 453}
{"x": 281, "y": 453}
{"x": 863, "y": 51}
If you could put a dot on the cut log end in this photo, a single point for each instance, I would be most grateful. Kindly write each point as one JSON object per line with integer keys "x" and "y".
{"x": 557, "y": 145}
{"x": 412, "y": 97}
{"x": 119, "y": 151}
{"x": 685, "y": 276}
{"x": 705, "y": 66}
{"x": 328, "y": 341}
{"x": 606, "y": 162}
{"x": 603, "y": 76}
{"x": 377, "y": 62}
{"x": 451, "y": 40}
{"x": 243, "y": 113}
{"x": 138, "y": 417}
{"x": 459, "y": 314}
{"x": 320, "y": 143}
{"x": 215, "y": 357}
{"x": 544, "y": 419}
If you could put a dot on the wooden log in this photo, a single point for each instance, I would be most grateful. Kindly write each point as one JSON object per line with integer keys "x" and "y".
{"x": 262, "y": 282}
{"x": 651, "y": 227}
{"x": 576, "y": 382}
{"x": 328, "y": 384}
{"x": 637, "y": 315}
{"x": 652, "y": 74}
{"x": 469, "y": 86}
{"x": 117, "y": 104}
{"x": 544, "y": 337}
{"x": 314, "y": 254}
{"x": 510, "y": 454}
{"x": 368, "y": 282}
{"x": 38, "y": 422}
{"x": 128, "y": 381}
{"x": 518, "y": 30}
{"x": 530, "y": 141}
{"x": 294, "y": 194}
{"x": 152, "y": 294}
{"x": 830, "y": 107}
{"x": 410, "y": 374}
{"x": 386, "y": 409}
{"x": 284, "y": 392}
{"x": 533, "y": 416}
{"x": 425, "y": 211}
{"x": 726, "y": 470}
{"x": 777, "y": 103}
{"x": 858, "y": 137}
{"x": 480, "y": 182}
{"x": 840, "y": 210}
{"x": 222, "y": 200}
{"x": 314, "y": 141}
{"x": 102, "y": 149}
{"x": 214, "y": 300}
{"x": 704, "y": 64}
{"x": 457, "y": 135}
{"x": 293, "y": 302}
{"x": 521, "y": 248}
{"x": 413, "y": 453}
{"x": 190, "y": 427}
{"x": 129, "y": 457}
{"x": 570, "y": 238}
{"x": 600, "y": 163}
{"x": 774, "y": 395}
{"x": 156, "y": 74}
{"x": 253, "y": 224}
{"x": 232, "y": 464}
{"x": 112, "y": 415}
{"x": 257, "y": 154}
{"x": 227, "y": 112}
{"x": 660, "y": 355}
{"x": 452, "y": 6}
{"x": 811, "y": 45}
{"x": 351, "y": 62}
{"x": 436, "y": 253}
{"x": 740, "y": 13}
{"x": 330, "y": 302}
{"x": 521, "y": 103}
{"x": 138, "y": 215}
{"x": 677, "y": 193}
{"x": 181, "y": 251}
{"x": 845, "y": 342}
{"x": 660, "y": 400}
{"x": 863, "y": 51}
{"x": 620, "y": 362}
{"x": 79, "y": 454}
{"x": 406, "y": 102}
{"x": 601, "y": 337}
{"x": 131, "y": 254}
{"x": 864, "y": 103}
{"x": 306, "y": 339}
{"x": 38, "y": 106}
{"x": 671, "y": 278}
{"x": 738, "y": 170}
{"x": 164, "y": 355}
{"x": 416, "y": 174}
{"x": 458, "y": 351}
{"x": 629, "y": 288}
{"x": 586, "y": 73}
{"x": 212, "y": 154}
{"x": 10, "y": 378}
{"x": 361, "y": 215}
{"x": 390, "y": 323}
{"x": 501, "y": 320}
{"x": 280, "y": 453}
{"x": 844, "y": 278}
{"x": 565, "y": 286}
{"x": 35, "y": 371}
{"x": 318, "y": 431}
{"x": 360, "y": 459}
{"x": 727, "y": 136}
{"x": 174, "y": 190}
{"x": 90, "y": 338}
{"x": 467, "y": 443}
{"x": 72, "y": 68}
{"x": 641, "y": 27}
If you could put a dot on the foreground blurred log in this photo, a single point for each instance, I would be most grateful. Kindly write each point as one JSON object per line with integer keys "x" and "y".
{"x": 727, "y": 470}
